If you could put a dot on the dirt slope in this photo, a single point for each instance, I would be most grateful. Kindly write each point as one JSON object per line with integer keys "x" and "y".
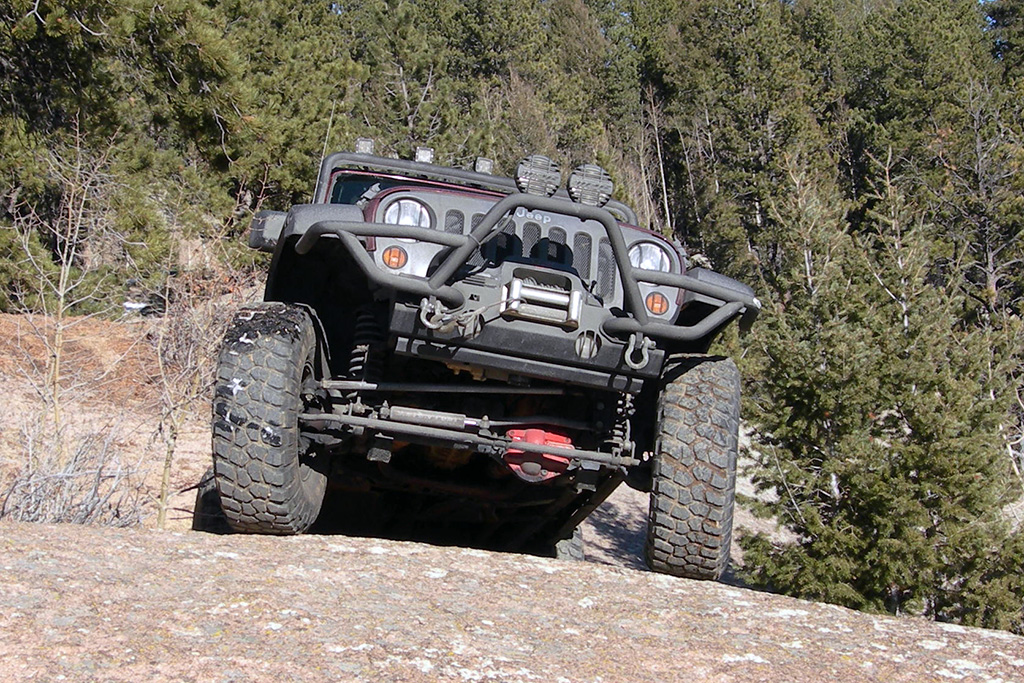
{"x": 111, "y": 389}
{"x": 83, "y": 604}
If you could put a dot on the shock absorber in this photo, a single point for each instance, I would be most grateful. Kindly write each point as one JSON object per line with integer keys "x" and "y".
{"x": 366, "y": 362}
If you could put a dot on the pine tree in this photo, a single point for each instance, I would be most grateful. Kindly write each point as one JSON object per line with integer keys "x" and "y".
{"x": 878, "y": 420}
{"x": 410, "y": 96}
{"x": 1007, "y": 17}
{"x": 738, "y": 100}
{"x": 300, "y": 71}
{"x": 148, "y": 89}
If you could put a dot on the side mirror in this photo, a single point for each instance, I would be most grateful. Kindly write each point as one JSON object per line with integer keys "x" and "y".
{"x": 266, "y": 230}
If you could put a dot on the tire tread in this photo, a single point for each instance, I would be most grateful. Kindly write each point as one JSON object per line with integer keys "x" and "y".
{"x": 256, "y": 443}
{"x": 694, "y": 469}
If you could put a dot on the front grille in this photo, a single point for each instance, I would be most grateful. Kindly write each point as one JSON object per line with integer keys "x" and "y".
{"x": 545, "y": 245}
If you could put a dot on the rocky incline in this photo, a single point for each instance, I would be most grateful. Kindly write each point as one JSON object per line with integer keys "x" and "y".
{"x": 81, "y": 603}
{"x": 99, "y": 604}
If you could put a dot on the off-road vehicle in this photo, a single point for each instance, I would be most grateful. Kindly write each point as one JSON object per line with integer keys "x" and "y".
{"x": 481, "y": 357}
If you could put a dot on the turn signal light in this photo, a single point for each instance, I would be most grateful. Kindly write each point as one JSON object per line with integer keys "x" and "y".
{"x": 656, "y": 303}
{"x": 395, "y": 257}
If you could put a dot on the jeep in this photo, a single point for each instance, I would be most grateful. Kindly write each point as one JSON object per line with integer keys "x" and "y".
{"x": 483, "y": 357}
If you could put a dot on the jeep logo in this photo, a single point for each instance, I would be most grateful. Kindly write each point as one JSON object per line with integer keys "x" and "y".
{"x": 532, "y": 215}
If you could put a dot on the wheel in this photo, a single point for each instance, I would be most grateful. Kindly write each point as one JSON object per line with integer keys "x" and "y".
{"x": 571, "y": 548}
{"x": 265, "y": 472}
{"x": 694, "y": 470}
{"x": 207, "y": 515}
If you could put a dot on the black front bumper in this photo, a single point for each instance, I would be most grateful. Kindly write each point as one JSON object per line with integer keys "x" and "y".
{"x": 634, "y": 318}
{"x": 510, "y": 350}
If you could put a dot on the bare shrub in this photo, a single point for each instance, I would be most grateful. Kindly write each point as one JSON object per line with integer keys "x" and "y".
{"x": 73, "y": 477}
{"x": 67, "y": 471}
{"x": 62, "y": 279}
{"x": 67, "y": 245}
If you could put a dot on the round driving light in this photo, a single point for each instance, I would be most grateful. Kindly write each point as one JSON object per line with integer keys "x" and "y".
{"x": 394, "y": 257}
{"x": 657, "y": 303}
{"x": 538, "y": 175}
{"x": 590, "y": 185}
{"x": 649, "y": 256}
{"x": 407, "y": 212}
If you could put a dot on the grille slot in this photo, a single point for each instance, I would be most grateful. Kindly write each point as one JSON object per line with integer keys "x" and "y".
{"x": 505, "y": 245}
{"x": 531, "y": 236}
{"x": 607, "y": 272}
{"x": 454, "y": 221}
{"x": 477, "y": 259}
{"x": 581, "y": 245}
{"x": 554, "y": 250}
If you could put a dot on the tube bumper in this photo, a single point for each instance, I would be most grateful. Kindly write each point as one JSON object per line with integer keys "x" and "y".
{"x": 731, "y": 301}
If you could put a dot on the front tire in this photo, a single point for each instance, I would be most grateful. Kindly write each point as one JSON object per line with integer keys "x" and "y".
{"x": 694, "y": 470}
{"x": 265, "y": 472}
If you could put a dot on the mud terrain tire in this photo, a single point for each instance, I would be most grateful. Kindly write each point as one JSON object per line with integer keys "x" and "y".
{"x": 262, "y": 467}
{"x": 572, "y": 548}
{"x": 694, "y": 471}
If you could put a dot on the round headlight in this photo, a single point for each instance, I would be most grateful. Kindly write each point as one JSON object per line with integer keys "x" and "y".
{"x": 649, "y": 256}
{"x": 407, "y": 212}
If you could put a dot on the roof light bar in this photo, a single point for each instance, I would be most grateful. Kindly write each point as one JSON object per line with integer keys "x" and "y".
{"x": 364, "y": 146}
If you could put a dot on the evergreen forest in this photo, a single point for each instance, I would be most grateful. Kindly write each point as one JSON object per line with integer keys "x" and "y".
{"x": 860, "y": 163}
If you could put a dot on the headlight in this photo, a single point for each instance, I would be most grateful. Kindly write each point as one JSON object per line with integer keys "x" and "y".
{"x": 407, "y": 212}
{"x": 649, "y": 256}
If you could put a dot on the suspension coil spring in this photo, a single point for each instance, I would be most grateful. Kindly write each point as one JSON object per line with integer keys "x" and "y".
{"x": 366, "y": 362}
{"x": 620, "y": 436}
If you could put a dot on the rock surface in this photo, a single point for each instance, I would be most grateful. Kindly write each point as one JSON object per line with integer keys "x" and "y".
{"x": 80, "y": 603}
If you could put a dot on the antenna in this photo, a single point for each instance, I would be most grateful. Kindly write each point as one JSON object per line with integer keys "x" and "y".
{"x": 323, "y": 154}
{"x": 330, "y": 122}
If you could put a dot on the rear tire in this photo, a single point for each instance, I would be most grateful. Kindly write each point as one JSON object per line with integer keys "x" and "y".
{"x": 572, "y": 548}
{"x": 263, "y": 467}
{"x": 694, "y": 470}
{"x": 207, "y": 515}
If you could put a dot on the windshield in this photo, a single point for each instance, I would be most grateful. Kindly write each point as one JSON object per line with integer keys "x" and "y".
{"x": 359, "y": 189}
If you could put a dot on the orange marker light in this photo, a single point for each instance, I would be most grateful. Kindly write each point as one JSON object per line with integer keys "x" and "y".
{"x": 657, "y": 303}
{"x": 395, "y": 257}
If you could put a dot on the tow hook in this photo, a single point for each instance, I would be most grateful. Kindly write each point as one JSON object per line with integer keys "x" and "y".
{"x": 638, "y": 344}
{"x": 432, "y": 314}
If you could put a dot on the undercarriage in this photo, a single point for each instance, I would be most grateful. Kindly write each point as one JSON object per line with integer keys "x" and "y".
{"x": 489, "y": 463}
